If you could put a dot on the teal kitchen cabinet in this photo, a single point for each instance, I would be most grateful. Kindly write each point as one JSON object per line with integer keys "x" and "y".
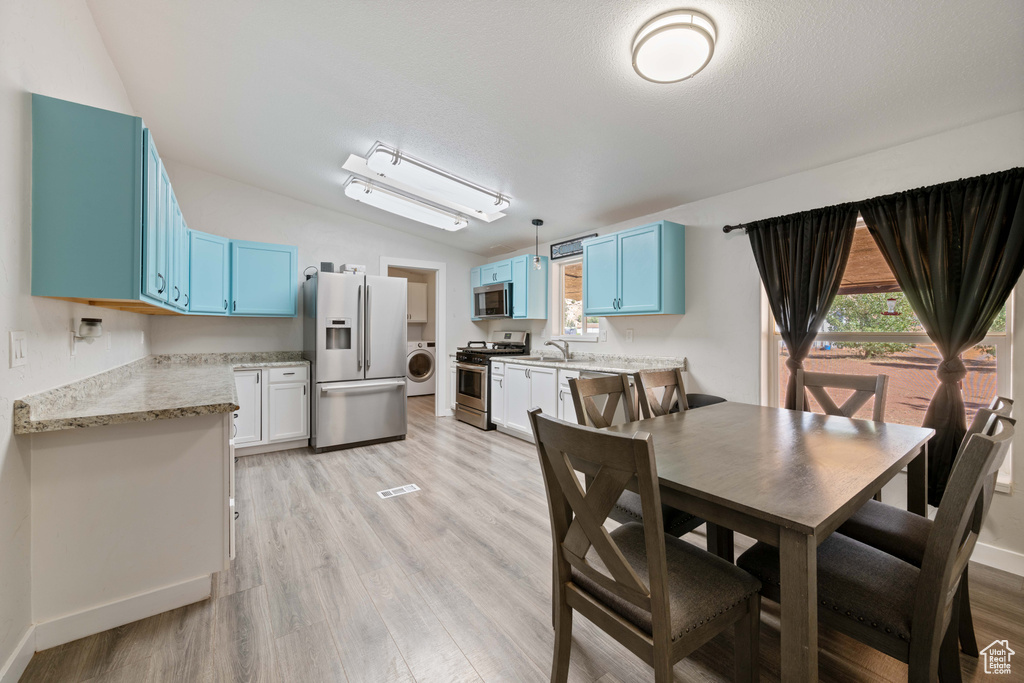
{"x": 209, "y": 273}
{"x": 529, "y": 288}
{"x": 474, "y": 282}
{"x": 640, "y": 271}
{"x": 600, "y": 275}
{"x": 495, "y": 273}
{"x": 108, "y": 231}
{"x": 264, "y": 279}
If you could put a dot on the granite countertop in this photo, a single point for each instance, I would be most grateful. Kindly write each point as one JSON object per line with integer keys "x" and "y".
{"x": 592, "y": 362}
{"x": 153, "y": 388}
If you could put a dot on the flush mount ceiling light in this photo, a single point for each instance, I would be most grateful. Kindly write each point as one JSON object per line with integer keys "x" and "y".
{"x": 674, "y": 46}
{"x": 395, "y": 165}
{"x": 403, "y": 205}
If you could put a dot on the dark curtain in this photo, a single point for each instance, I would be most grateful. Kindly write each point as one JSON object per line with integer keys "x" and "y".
{"x": 801, "y": 259}
{"x": 957, "y": 250}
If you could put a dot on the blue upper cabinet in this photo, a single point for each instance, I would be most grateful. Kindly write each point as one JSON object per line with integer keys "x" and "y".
{"x": 640, "y": 271}
{"x": 474, "y": 282}
{"x": 107, "y": 229}
{"x": 600, "y": 281}
{"x": 210, "y": 273}
{"x": 529, "y": 287}
{"x": 496, "y": 273}
{"x": 264, "y": 279}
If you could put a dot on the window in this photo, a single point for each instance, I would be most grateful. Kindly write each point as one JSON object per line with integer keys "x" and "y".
{"x": 570, "y": 322}
{"x": 863, "y": 335}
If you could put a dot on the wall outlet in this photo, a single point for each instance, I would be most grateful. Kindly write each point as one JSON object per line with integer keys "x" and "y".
{"x": 604, "y": 335}
{"x": 19, "y": 349}
{"x": 629, "y": 334}
{"x": 108, "y": 334}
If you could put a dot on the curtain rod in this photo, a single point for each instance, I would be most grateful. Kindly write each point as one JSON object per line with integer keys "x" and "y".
{"x": 730, "y": 228}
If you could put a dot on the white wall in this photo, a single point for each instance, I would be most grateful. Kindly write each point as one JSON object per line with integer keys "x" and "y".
{"x": 50, "y": 47}
{"x": 721, "y": 331}
{"x": 215, "y": 204}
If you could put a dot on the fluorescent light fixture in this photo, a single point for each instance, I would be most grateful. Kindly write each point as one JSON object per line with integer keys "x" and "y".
{"x": 674, "y": 46}
{"x": 397, "y": 166}
{"x": 403, "y": 205}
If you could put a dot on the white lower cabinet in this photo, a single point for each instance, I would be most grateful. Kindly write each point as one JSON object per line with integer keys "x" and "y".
{"x": 527, "y": 387}
{"x": 497, "y": 397}
{"x": 289, "y": 412}
{"x": 273, "y": 405}
{"x": 248, "y": 417}
{"x": 451, "y": 382}
{"x": 566, "y": 408}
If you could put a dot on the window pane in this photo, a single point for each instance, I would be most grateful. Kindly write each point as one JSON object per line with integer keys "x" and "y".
{"x": 572, "y": 302}
{"x": 911, "y": 370}
{"x": 872, "y": 313}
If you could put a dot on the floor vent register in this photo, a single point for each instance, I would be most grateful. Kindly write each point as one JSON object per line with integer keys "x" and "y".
{"x": 398, "y": 491}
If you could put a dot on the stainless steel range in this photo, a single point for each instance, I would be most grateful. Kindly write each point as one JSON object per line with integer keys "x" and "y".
{"x": 472, "y": 374}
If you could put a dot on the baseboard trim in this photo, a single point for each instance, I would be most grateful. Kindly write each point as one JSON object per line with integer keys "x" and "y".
{"x": 98, "y": 619}
{"x": 16, "y": 664}
{"x": 999, "y": 558}
{"x": 271, "y": 447}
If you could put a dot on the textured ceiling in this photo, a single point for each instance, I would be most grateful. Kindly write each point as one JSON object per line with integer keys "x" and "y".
{"x": 538, "y": 98}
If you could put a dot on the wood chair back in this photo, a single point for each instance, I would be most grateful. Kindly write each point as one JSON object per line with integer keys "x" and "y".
{"x": 954, "y": 534}
{"x": 864, "y": 388}
{"x": 577, "y": 516}
{"x": 1001, "y": 406}
{"x": 616, "y": 389}
{"x": 669, "y": 380}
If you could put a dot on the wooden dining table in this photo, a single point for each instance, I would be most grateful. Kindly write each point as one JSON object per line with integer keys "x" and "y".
{"x": 787, "y": 478}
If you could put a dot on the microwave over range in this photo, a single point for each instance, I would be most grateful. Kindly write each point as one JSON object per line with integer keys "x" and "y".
{"x": 493, "y": 301}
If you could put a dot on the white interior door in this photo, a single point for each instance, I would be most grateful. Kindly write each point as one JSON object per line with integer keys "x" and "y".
{"x": 249, "y": 416}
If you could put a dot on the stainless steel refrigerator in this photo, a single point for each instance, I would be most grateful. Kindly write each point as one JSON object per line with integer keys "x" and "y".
{"x": 354, "y": 335}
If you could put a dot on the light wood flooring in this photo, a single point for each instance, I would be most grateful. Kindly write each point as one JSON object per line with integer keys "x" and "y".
{"x": 451, "y": 583}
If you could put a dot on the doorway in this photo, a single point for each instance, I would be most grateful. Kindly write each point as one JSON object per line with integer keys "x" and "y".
{"x": 427, "y": 357}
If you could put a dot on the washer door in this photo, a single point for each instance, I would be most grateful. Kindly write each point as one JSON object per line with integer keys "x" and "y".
{"x": 420, "y": 366}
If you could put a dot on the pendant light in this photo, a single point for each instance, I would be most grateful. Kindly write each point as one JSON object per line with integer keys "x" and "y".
{"x": 536, "y": 245}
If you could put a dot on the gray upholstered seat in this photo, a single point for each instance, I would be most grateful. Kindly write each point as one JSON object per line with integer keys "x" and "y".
{"x": 627, "y": 509}
{"x": 891, "y": 529}
{"x": 854, "y": 580}
{"x": 700, "y": 585}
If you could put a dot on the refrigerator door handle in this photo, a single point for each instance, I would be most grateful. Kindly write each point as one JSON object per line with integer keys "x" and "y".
{"x": 362, "y": 387}
{"x": 359, "y": 328}
{"x": 369, "y": 327}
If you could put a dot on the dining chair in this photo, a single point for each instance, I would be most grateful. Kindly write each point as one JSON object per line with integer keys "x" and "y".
{"x": 659, "y": 596}
{"x": 864, "y": 388}
{"x": 904, "y": 534}
{"x": 670, "y": 381}
{"x": 907, "y": 612}
{"x": 616, "y": 390}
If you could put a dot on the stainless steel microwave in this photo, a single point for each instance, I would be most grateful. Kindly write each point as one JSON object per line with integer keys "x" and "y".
{"x": 493, "y": 301}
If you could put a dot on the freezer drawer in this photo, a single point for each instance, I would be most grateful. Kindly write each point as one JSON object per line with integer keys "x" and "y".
{"x": 350, "y": 413}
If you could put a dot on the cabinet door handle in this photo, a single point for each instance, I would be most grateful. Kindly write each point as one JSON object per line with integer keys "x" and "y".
{"x": 225, "y": 304}
{"x": 258, "y": 377}
{"x": 561, "y": 395}
{"x": 186, "y": 298}
{"x": 501, "y": 383}
{"x": 177, "y": 293}
{"x": 289, "y": 373}
{"x": 236, "y": 514}
{"x": 234, "y": 305}
{"x": 163, "y": 282}
{"x": 303, "y": 389}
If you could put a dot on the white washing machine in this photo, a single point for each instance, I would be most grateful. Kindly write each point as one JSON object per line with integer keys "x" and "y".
{"x": 421, "y": 368}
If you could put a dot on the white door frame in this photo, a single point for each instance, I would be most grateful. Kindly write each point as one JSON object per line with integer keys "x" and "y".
{"x": 441, "y": 408}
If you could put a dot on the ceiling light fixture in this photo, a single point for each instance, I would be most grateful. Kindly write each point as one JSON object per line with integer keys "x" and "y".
{"x": 536, "y": 245}
{"x": 396, "y": 165}
{"x": 403, "y": 205}
{"x": 674, "y": 46}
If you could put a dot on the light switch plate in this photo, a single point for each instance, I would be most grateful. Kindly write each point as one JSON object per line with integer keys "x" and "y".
{"x": 19, "y": 349}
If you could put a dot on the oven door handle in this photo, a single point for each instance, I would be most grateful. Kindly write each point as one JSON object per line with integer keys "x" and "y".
{"x": 479, "y": 369}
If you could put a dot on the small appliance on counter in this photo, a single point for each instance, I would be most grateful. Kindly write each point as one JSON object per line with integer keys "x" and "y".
{"x": 354, "y": 336}
{"x": 472, "y": 374}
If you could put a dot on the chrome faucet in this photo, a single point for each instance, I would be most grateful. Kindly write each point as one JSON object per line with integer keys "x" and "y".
{"x": 563, "y": 349}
